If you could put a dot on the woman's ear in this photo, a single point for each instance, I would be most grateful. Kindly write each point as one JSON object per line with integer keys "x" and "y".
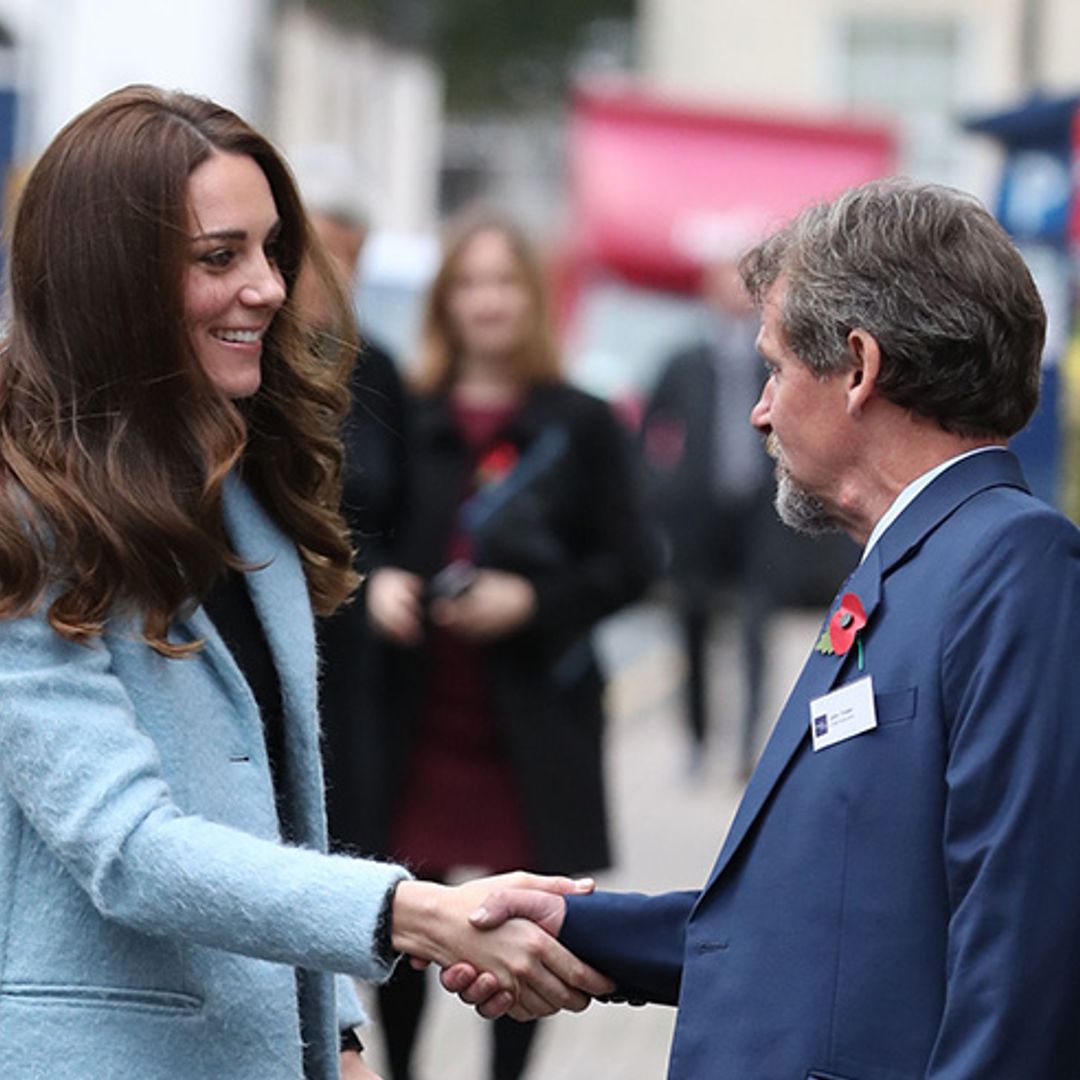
{"x": 865, "y": 356}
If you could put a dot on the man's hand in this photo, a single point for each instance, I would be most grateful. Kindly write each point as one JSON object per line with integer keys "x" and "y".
{"x": 535, "y": 974}
{"x": 481, "y": 989}
{"x": 545, "y": 908}
{"x": 496, "y": 604}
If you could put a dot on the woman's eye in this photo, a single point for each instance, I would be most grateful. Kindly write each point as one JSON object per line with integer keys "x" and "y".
{"x": 218, "y": 259}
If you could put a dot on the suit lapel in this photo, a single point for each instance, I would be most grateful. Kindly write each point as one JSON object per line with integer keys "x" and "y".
{"x": 820, "y": 672}
{"x": 818, "y": 676}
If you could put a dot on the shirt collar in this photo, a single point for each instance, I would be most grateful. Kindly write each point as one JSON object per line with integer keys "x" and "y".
{"x": 908, "y": 495}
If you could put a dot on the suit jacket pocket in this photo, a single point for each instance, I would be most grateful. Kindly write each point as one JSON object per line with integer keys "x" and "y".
{"x": 814, "y": 1074}
{"x": 894, "y": 707}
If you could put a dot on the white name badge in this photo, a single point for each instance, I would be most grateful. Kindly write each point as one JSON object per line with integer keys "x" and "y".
{"x": 843, "y": 714}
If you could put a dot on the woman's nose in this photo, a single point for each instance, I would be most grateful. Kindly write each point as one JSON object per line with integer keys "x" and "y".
{"x": 266, "y": 288}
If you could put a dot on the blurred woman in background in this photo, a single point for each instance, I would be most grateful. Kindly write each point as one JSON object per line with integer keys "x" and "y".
{"x": 521, "y": 530}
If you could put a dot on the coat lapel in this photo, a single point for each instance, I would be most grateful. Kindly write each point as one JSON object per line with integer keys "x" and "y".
{"x": 279, "y": 593}
{"x": 199, "y": 627}
{"x": 820, "y": 672}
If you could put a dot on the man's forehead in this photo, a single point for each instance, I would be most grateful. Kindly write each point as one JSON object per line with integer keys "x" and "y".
{"x": 772, "y": 305}
{"x": 760, "y": 342}
{"x": 774, "y": 296}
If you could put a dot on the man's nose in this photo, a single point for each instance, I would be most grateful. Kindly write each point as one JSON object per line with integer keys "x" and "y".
{"x": 759, "y": 414}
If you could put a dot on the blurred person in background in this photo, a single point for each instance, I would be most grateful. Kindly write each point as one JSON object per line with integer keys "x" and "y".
{"x": 373, "y": 482}
{"x": 169, "y": 493}
{"x": 521, "y": 529}
{"x": 708, "y": 487}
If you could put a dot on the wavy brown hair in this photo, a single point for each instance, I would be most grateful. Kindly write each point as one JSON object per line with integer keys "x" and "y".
{"x": 114, "y": 445}
{"x": 538, "y": 358}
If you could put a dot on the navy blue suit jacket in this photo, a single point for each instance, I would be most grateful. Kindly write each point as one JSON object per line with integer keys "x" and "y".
{"x": 905, "y": 903}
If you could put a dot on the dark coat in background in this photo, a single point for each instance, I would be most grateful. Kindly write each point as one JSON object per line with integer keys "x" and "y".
{"x": 568, "y": 519}
{"x": 715, "y": 539}
{"x": 374, "y": 484}
{"x": 712, "y": 537}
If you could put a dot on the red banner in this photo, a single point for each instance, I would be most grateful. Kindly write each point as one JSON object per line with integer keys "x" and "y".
{"x": 659, "y": 189}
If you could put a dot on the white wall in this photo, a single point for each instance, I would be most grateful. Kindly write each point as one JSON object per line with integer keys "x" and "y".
{"x": 778, "y": 52}
{"x": 1061, "y": 47}
{"x": 380, "y": 107}
{"x": 763, "y": 53}
{"x": 295, "y": 77}
{"x": 788, "y": 55}
{"x": 74, "y": 51}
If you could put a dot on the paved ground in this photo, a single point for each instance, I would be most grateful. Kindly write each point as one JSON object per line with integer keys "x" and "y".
{"x": 668, "y": 828}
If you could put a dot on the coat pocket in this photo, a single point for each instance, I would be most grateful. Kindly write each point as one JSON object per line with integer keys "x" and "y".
{"x": 814, "y": 1074}
{"x": 102, "y": 997}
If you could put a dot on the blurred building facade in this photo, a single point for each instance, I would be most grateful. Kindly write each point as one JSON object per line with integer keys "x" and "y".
{"x": 68, "y": 53}
{"x": 294, "y": 76}
{"x": 380, "y": 106}
{"x": 924, "y": 63}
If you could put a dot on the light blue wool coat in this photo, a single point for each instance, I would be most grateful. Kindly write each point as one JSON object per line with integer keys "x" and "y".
{"x": 150, "y": 917}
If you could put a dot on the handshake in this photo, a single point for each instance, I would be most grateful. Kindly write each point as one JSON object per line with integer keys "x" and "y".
{"x": 495, "y": 940}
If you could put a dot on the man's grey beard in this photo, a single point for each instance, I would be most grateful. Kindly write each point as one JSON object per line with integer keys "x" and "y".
{"x": 798, "y": 509}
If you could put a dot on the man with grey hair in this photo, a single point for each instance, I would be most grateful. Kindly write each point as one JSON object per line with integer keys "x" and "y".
{"x": 897, "y": 896}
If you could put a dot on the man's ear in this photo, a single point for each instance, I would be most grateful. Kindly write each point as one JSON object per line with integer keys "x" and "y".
{"x": 865, "y": 356}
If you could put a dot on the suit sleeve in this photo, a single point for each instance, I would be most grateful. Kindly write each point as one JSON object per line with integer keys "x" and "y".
{"x": 1011, "y": 684}
{"x": 634, "y": 939}
{"x": 89, "y": 782}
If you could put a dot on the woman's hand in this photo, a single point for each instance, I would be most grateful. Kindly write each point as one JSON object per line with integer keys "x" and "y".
{"x": 432, "y": 922}
{"x": 395, "y": 605}
{"x": 481, "y": 989}
{"x": 496, "y": 604}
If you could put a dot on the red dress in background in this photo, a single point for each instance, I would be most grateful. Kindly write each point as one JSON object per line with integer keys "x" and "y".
{"x": 460, "y": 806}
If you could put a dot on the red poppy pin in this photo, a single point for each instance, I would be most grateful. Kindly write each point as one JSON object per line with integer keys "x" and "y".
{"x": 843, "y": 628}
{"x": 496, "y": 463}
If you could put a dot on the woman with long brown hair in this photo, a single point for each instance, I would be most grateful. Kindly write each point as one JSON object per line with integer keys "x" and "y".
{"x": 169, "y": 484}
{"x": 521, "y": 530}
